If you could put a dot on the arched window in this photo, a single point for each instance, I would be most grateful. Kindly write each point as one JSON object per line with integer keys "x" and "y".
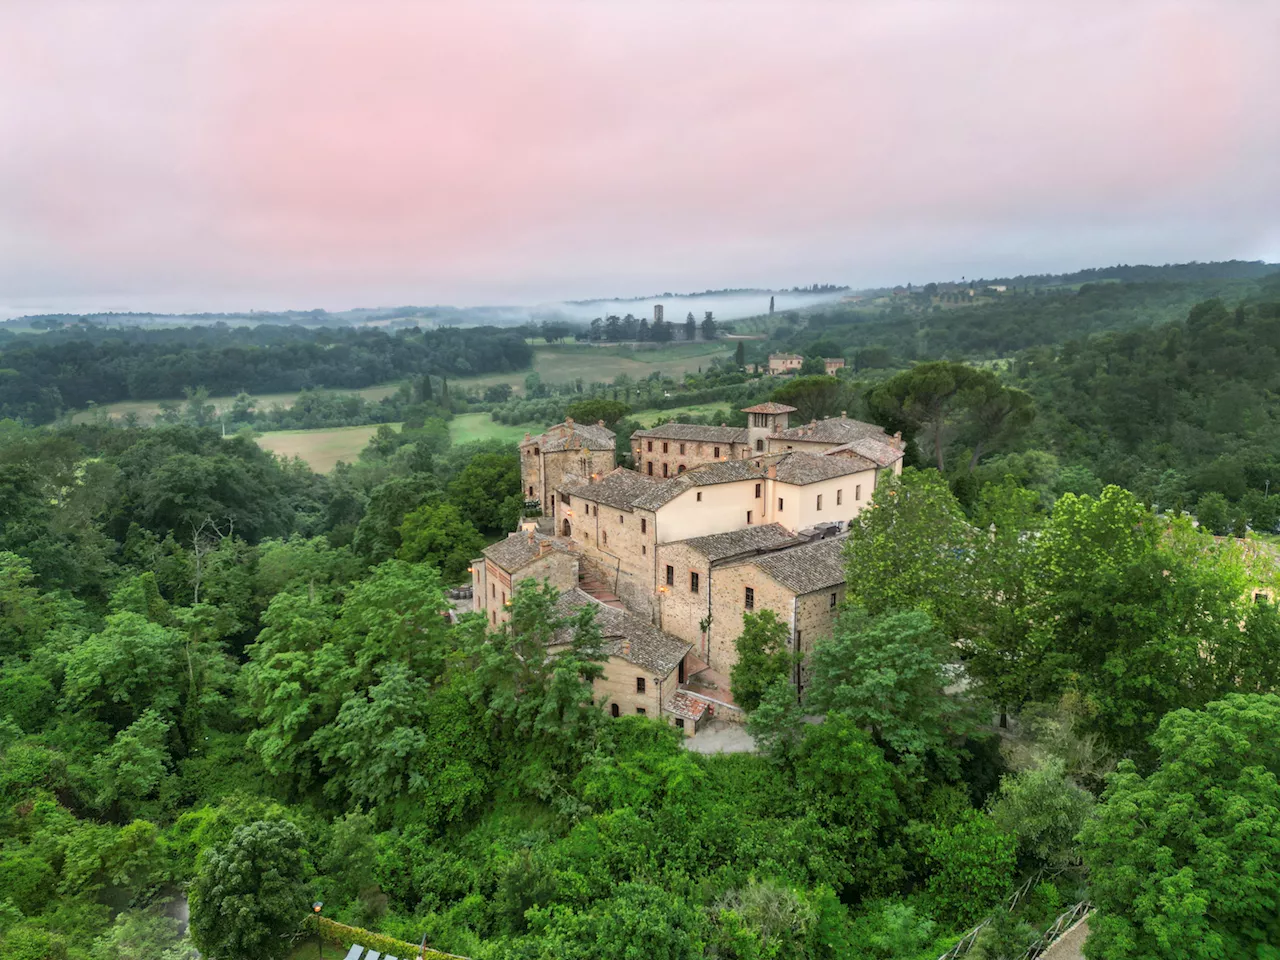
{"x": 681, "y": 470}
{"x": 567, "y": 529}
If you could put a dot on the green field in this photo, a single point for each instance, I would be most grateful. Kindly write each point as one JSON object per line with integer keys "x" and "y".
{"x": 470, "y": 427}
{"x": 649, "y": 417}
{"x": 322, "y": 449}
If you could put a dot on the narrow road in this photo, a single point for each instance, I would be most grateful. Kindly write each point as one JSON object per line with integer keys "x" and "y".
{"x": 1070, "y": 946}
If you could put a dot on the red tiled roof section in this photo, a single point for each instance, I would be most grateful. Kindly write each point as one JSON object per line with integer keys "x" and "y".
{"x": 769, "y": 407}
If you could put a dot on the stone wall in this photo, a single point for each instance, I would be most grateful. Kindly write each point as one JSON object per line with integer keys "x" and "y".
{"x": 682, "y": 453}
{"x": 616, "y": 550}
{"x": 680, "y": 609}
{"x": 618, "y": 685}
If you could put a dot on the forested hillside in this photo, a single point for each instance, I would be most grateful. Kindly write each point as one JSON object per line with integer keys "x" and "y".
{"x": 44, "y": 375}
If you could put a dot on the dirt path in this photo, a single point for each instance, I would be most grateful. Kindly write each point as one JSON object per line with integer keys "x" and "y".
{"x": 1070, "y": 946}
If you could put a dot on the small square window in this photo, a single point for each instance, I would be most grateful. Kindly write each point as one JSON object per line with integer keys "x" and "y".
{"x": 639, "y": 684}
{"x": 749, "y": 600}
{"x": 641, "y": 711}
{"x": 679, "y": 723}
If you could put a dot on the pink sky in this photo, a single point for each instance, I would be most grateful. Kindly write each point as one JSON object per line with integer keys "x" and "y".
{"x": 229, "y": 154}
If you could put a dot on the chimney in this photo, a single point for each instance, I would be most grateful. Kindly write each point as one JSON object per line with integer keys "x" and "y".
{"x": 527, "y": 437}
{"x": 599, "y": 423}
{"x": 773, "y": 471}
{"x": 544, "y": 548}
{"x": 626, "y": 648}
{"x": 843, "y": 414}
{"x": 568, "y": 421}
{"x": 531, "y": 537}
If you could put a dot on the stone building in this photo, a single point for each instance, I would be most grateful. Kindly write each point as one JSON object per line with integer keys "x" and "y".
{"x": 670, "y": 449}
{"x": 833, "y": 364}
{"x": 803, "y": 585}
{"x": 564, "y": 453}
{"x": 523, "y": 555}
{"x": 764, "y": 419}
{"x": 781, "y": 364}
{"x": 645, "y": 667}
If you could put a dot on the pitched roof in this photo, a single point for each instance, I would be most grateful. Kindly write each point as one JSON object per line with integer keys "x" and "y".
{"x": 520, "y": 549}
{"x": 573, "y": 436}
{"x": 882, "y": 452}
{"x": 832, "y": 430}
{"x": 694, "y": 432}
{"x": 718, "y": 546}
{"x": 626, "y": 635}
{"x": 685, "y": 706}
{"x": 622, "y": 488}
{"x": 818, "y": 565}
{"x": 769, "y": 407}
{"x": 719, "y": 471}
{"x": 802, "y": 467}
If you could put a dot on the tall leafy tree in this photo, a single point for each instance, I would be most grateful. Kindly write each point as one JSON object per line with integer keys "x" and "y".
{"x": 764, "y": 655}
{"x": 1186, "y": 860}
{"x": 250, "y": 893}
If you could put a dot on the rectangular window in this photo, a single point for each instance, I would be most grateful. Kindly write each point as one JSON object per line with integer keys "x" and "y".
{"x": 641, "y": 711}
{"x": 833, "y": 601}
{"x": 644, "y": 551}
{"x": 665, "y": 446}
{"x": 564, "y": 498}
{"x": 664, "y": 469}
{"x": 748, "y": 518}
{"x": 839, "y": 497}
{"x": 693, "y": 582}
{"x": 779, "y": 504}
{"x": 682, "y": 449}
{"x": 644, "y": 525}
{"x": 819, "y": 501}
{"x": 758, "y": 491}
{"x": 493, "y": 590}
{"x": 531, "y": 493}
{"x": 716, "y": 452}
{"x": 698, "y": 496}
{"x": 671, "y": 575}
{"x": 651, "y": 468}
{"x": 679, "y": 723}
{"x": 749, "y": 601}
{"x": 857, "y": 492}
{"x": 620, "y": 519}
{"x": 639, "y": 684}
{"x": 650, "y": 447}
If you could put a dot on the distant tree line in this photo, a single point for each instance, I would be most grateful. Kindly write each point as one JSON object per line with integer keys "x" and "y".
{"x": 44, "y": 376}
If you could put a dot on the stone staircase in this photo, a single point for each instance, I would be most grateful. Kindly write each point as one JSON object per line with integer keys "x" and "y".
{"x": 594, "y": 586}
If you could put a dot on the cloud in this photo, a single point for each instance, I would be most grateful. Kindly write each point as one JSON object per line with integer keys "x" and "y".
{"x": 330, "y": 153}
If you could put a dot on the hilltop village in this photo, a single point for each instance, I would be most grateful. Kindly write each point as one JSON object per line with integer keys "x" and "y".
{"x": 712, "y": 522}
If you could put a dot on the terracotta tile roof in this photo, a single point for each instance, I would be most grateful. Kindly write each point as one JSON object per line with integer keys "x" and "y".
{"x": 832, "y": 430}
{"x": 719, "y": 546}
{"x": 802, "y": 467}
{"x": 626, "y": 635}
{"x": 692, "y": 432}
{"x": 520, "y": 549}
{"x": 725, "y": 471}
{"x": 769, "y": 407}
{"x": 573, "y": 436}
{"x": 685, "y": 706}
{"x": 882, "y": 452}
{"x": 812, "y": 566}
{"x": 621, "y": 488}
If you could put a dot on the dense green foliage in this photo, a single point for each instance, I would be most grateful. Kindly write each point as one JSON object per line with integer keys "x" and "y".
{"x": 42, "y": 376}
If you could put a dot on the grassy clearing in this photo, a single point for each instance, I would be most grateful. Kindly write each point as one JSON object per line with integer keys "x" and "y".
{"x": 470, "y": 427}
{"x": 322, "y": 449}
{"x": 649, "y": 417}
{"x": 564, "y": 363}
